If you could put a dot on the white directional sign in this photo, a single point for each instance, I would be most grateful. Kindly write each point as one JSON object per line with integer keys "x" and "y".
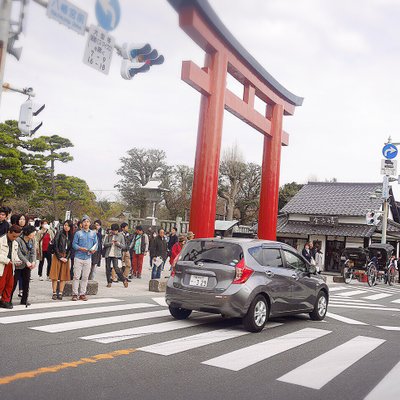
{"x": 99, "y": 49}
{"x": 389, "y": 167}
{"x": 67, "y": 14}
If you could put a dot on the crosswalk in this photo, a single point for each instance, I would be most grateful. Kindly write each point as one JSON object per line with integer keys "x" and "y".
{"x": 152, "y": 317}
{"x": 364, "y": 297}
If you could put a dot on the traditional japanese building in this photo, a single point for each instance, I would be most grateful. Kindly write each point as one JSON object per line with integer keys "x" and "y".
{"x": 334, "y": 214}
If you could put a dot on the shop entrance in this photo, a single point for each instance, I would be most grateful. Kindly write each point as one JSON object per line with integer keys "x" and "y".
{"x": 333, "y": 252}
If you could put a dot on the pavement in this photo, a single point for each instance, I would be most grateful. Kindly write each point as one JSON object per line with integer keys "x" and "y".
{"x": 129, "y": 346}
{"x": 41, "y": 290}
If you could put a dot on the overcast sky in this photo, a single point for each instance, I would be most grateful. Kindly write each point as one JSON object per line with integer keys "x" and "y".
{"x": 342, "y": 56}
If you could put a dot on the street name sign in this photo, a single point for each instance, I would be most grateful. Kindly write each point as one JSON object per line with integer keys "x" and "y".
{"x": 108, "y": 14}
{"x": 99, "y": 49}
{"x": 389, "y": 151}
{"x": 67, "y": 14}
{"x": 389, "y": 167}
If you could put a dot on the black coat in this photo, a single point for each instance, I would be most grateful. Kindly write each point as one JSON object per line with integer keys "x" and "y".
{"x": 62, "y": 245}
{"x": 160, "y": 248}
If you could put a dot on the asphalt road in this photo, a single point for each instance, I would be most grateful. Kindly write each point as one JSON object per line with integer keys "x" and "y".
{"x": 115, "y": 349}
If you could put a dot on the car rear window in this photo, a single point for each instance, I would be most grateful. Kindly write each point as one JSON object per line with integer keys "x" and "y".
{"x": 212, "y": 252}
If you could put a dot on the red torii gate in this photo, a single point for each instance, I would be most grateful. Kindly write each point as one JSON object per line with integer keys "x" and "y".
{"x": 225, "y": 55}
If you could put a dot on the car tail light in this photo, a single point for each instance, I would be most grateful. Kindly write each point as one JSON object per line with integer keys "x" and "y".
{"x": 243, "y": 272}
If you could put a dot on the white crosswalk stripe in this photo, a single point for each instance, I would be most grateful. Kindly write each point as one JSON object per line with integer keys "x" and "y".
{"x": 351, "y": 293}
{"x": 388, "y": 388}
{"x": 378, "y": 296}
{"x": 132, "y": 333}
{"x": 57, "y": 304}
{"x": 335, "y": 289}
{"x": 247, "y": 356}
{"x": 363, "y": 307}
{"x": 160, "y": 301}
{"x": 70, "y": 313}
{"x": 88, "y": 323}
{"x": 344, "y": 319}
{"x": 327, "y": 366}
{"x": 192, "y": 342}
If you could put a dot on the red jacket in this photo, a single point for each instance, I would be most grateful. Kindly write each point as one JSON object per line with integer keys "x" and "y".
{"x": 175, "y": 251}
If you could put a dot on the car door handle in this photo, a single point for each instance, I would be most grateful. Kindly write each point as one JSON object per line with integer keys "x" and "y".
{"x": 295, "y": 276}
{"x": 270, "y": 274}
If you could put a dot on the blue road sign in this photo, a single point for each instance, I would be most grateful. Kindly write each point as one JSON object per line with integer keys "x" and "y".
{"x": 108, "y": 13}
{"x": 389, "y": 151}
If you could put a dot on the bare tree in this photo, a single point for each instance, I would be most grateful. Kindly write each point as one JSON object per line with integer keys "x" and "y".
{"x": 231, "y": 174}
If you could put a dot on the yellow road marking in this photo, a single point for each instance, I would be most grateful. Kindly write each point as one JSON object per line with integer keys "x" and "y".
{"x": 73, "y": 364}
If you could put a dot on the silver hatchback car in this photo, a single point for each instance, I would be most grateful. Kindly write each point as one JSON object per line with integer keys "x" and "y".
{"x": 246, "y": 278}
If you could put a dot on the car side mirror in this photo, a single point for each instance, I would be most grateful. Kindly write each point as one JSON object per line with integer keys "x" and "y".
{"x": 312, "y": 269}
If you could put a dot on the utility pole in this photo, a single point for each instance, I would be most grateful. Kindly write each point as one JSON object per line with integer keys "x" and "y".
{"x": 385, "y": 195}
{"x": 5, "y": 16}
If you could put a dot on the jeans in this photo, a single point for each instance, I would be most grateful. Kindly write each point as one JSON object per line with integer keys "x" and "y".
{"x": 114, "y": 261}
{"x": 156, "y": 271}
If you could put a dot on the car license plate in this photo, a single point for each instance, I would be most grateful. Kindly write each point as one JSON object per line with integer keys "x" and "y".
{"x": 196, "y": 280}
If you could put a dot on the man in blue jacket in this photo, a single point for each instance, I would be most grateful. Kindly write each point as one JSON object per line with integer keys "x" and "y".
{"x": 84, "y": 244}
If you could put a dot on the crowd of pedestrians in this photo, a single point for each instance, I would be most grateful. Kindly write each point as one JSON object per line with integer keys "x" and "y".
{"x": 73, "y": 251}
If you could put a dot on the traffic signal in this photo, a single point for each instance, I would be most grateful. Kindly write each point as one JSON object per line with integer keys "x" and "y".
{"x": 370, "y": 218}
{"x": 29, "y": 110}
{"x": 138, "y": 58}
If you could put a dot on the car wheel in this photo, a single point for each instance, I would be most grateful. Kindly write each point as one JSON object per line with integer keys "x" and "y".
{"x": 320, "y": 308}
{"x": 179, "y": 313}
{"x": 257, "y": 315}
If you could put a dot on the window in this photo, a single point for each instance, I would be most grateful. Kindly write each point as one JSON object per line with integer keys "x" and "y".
{"x": 294, "y": 261}
{"x": 257, "y": 253}
{"x": 267, "y": 257}
{"x": 272, "y": 258}
{"x": 212, "y": 252}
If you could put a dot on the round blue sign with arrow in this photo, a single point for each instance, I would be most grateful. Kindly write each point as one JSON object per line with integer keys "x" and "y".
{"x": 108, "y": 13}
{"x": 389, "y": 151}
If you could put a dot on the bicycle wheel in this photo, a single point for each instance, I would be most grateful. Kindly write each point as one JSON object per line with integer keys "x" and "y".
{"x": 347, "y": 275}
{"x": 391, "y": 275}
{"x": 372, "y": 273}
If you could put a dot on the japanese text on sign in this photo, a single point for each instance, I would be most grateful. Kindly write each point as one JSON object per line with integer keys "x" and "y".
{"x": 99, "y": 49}
{"x": 67, "y": 14}
{"x": 324, "y": 220}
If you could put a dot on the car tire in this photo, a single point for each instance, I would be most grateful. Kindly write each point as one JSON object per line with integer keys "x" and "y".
{"x": 320, "y": 307}
{"x": 257, "y": 315}
{"x": 179, "y": 313}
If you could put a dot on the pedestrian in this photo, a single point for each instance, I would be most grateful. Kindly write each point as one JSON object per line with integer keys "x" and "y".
{"x": 306, "y": 253}
{"x": 18, "y": 219}
{"x": 190, "y": 235}
{"x": 114, "y": 244}
{"x": 176, "y": 250}
{"x": 126, "y": 255}
{"x": 151, "y": 235}
{"x": 173, "y": 239}
{"x": 96, "y": 257}
{"x": 43, "y": 238}
{"x": 27, "y": 254}
{"x": 160, "y": 254}
{"x": 99, "y": 231}
{"x": 60, "y": 266}
{"x": 4, "y": 225}
{"x": 85, "y": 244}
{"x": 8, "y": 261}
{"x": 313, "y": 250}
{"x": 319, "y": 259}
{"x": 140, "y": 247}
